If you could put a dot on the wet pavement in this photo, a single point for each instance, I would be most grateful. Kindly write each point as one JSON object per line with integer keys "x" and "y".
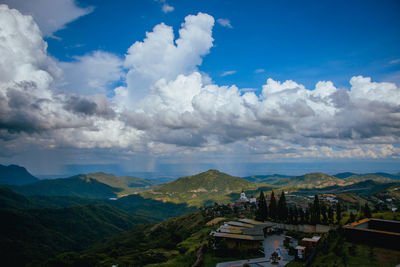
{"x": 270, "y": 244}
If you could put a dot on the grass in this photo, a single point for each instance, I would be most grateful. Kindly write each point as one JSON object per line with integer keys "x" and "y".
{"x": 211, "y": 260}
{"x": 335, "y": 250}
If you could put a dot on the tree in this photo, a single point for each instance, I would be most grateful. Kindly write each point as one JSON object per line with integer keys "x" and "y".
{"x": 316, "y": 211}
{"x": 307, "y": 215}
{"x": 272, "y": 207}
{"x": 323, "y": 213}
{"x": 352, "y": 217}
{"x": 262, "y": 211}
{"x": 367, "y": 211}
{"x": 301, "y": 215}
{"x": 290, "y": 215}
{"x": 295, "y": 215}
{"x": 330, "y": 214}
{"x": 338, "y": 213}
{"x": 282, "y": 208}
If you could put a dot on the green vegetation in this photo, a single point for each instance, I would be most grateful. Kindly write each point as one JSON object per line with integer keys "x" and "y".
{"x": 72, "y": 221}
{"x": 78, "y": 186}
{"x": 320, "y": 180}
{"x": 15, "y": 175}
{"x": 262, "y": 211}
{"x": 336, "y": 251}
{"x": 35, "y": 228}
{"x": 173, "y": 242}
{"x": 92, "y": 185}
{"x": 207, "y": 187}
{"x": 26, "y": 235}
{"x": 128, "y": 184}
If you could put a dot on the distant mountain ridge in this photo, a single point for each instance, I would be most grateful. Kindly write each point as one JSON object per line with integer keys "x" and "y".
{"x": 16, "y": 175}
{"x": 210, "y": 186}
{"x": 345, "y": 175}
{"x": 320, "y": 180}
{"x": 91, "y": 185}
{"x": 78, "y": 186}
{"x": 128, "y": 184}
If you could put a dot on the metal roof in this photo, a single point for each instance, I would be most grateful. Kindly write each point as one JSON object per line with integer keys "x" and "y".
{"x": 238, "y": 236}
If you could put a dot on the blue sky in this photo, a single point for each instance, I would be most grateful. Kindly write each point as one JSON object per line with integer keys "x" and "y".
{"x": 243, "y": 86}
{"x": 303, "y": 41}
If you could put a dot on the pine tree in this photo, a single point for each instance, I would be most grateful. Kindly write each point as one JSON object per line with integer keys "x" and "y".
{"x": 295, "y": 215}
{"x": 262, "y": 211}
{"x": 282, "y": 208}
{"x": 330, "y": 214}
{"x": 307, "y": 215}
{"x": 367, "y": 211}
{"x": 290, "y": 215}
{"x": 316, "y": 211}
{"x": 338, "y": 213}
{"x": 323, "y": 213}
{"x": 272, "y": 207}
{"x": 301, "y": 213}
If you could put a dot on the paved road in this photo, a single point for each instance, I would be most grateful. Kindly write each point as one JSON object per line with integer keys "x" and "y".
{"x": 270, "y": 244}
{"x": 259, "y": 262}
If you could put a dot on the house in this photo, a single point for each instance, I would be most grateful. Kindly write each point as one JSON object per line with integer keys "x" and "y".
{"x": 310, "y": 243}
{"x": 244, "y": 233}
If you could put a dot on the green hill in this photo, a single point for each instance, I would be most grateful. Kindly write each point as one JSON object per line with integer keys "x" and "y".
{"x": 28, "y": 232}
{"x": 345, "y": 175}
{"x": 207, "y": 187}
{"x": 128, "y": 184}
{"x": 268, "y": 179}
{"x": 364, "y": 188}
{"x": 365, "y": 177}
{"x": 310, "y": 180}
{"x": 15, "y": 175}
{"x": 79, "y": 186}
{"x": 92, "y": 185}
{"x": 149, "y": 209}
{"x": 317, "y": 180}
{"x": 173, "y": 242}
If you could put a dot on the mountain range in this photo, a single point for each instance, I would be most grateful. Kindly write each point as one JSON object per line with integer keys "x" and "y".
{"x": 15, "y": 175}
{"x": 320, "y": 180}
{"x": 203, "y": 189}
{"x": 76, "y": 216}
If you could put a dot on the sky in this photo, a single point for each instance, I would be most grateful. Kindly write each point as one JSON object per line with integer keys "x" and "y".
{"x": 174, "y": 88}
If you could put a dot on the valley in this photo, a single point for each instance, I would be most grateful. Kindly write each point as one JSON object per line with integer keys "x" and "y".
{"x": 101, "y": 219}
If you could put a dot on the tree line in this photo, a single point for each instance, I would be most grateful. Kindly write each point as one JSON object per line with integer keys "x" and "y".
{"x": 317, "y": 212}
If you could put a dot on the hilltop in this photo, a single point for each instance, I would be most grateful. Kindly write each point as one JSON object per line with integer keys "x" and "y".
{"x": 78, "y": 186}
{"x": 318, "y": 179}
{"x": 204, "y": 188}
{"x": 128, "y": 184}
{"x": 91, "y": 185}
{"x": 15, "y": 175}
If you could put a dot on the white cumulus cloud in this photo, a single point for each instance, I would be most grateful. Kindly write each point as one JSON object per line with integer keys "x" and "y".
{"x": 167, "y": 105}
{"x": 161, "y": 56}
{"x": 91, "y": 74}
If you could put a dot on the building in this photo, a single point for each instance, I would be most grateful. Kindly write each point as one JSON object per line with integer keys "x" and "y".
{"x": 301, "y": 252}
{"x": 244, "y": 233}
{"x": 243, "y": 197}
{"x": 385, "y": 233}
{"x": 310, "y": 243}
